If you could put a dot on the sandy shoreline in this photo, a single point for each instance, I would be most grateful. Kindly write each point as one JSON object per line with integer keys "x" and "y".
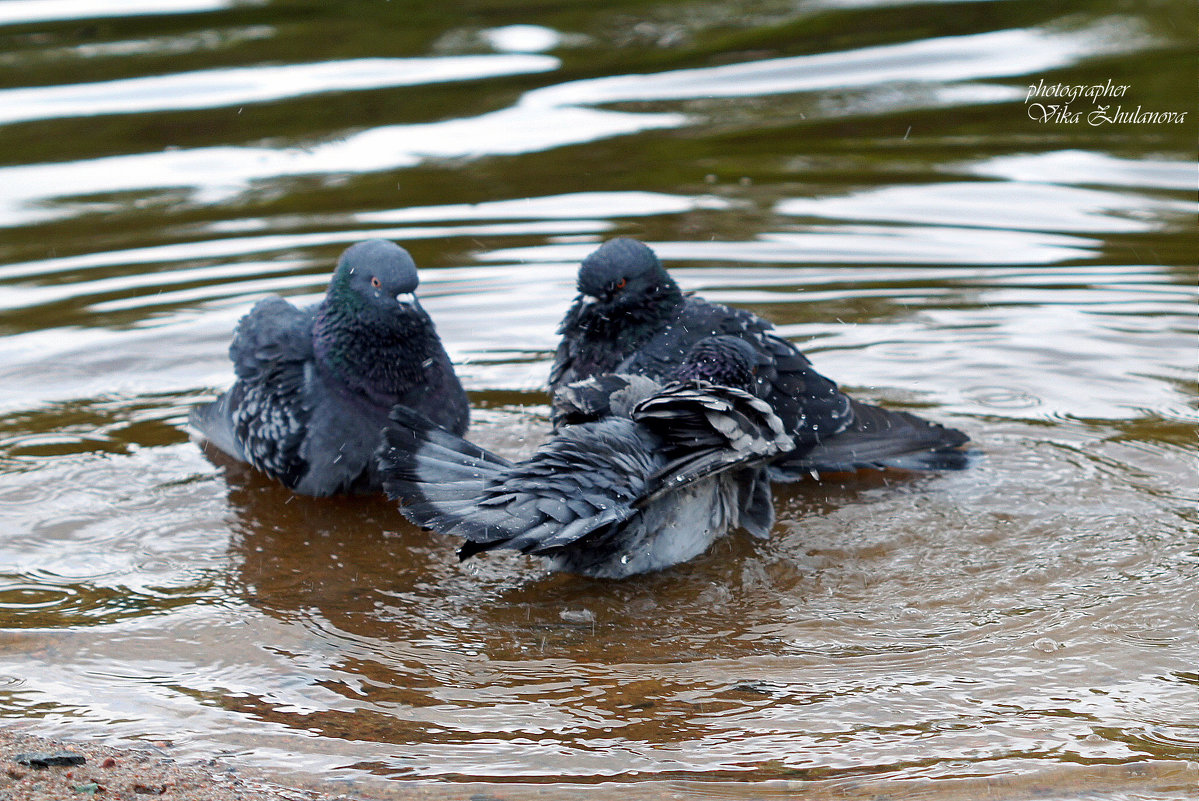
{"x": 117, "y": 774}
{"x": 150, "y": 772}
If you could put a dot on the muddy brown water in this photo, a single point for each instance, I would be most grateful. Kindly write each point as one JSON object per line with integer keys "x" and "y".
{"x": 882, "y": 180}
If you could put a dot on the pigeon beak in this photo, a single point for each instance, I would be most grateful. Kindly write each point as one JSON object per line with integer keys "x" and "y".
{"x": 587, "y": 300}
{"x": 406, "y": 298}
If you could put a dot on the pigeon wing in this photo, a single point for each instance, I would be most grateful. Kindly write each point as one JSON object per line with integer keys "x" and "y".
{"x": 273, "y": 332}
{"x": 880, "y": 438}
{"x": 272, "y": 353}
{"x": 810, "y": 405}
{"x": 582, "y": 483}
{"x": 598, "y": 397}
{"x": 706, "y": 429}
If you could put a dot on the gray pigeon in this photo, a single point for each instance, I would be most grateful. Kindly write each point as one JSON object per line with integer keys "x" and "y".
{"x": 639, "y": 477}
{"x": 314, "y": 386}
{"x": 631, "y": 318}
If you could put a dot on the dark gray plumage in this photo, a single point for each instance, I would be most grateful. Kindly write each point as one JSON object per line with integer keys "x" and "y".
{"x": 314, "y": 386}
{"x": 631, "y": 317}
{"x": 647, "y": 476}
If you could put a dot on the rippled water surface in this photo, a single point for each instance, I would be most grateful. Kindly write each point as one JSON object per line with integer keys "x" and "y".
{"x": 884, "y": 180}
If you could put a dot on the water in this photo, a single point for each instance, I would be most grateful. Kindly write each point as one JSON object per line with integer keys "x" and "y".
{"x": 873, "y": 177}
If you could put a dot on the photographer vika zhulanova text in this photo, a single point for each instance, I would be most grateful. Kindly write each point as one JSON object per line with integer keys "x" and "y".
{"x": 1059, "y": 97}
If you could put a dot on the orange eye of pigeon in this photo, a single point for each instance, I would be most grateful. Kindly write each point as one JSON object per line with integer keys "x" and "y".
{"x": 375, "y": 282}
{"x": 620, "y": 284}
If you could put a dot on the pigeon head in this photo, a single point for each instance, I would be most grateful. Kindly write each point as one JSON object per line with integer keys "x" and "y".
{"x": 370, "y": 330}
{"x": 375, "y": 275}
{"x": 623, "y": 283}
{"x": 724, "y": 360}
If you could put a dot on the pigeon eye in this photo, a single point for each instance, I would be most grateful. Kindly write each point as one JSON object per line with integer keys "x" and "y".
{"x": 375, "y": 282}
{"x": 620, "y": 284}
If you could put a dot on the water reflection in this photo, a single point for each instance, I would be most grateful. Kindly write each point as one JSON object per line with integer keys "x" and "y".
{"x": 740, "y": 653}
{"x": 23, "y": 12}
{"x": 543, "y": 119}
{"x": 864, "y": 175}
{"x": 943, "y": 60}
{"x": 576, "y": 205}
{"x": 199, "y": 41}
{"x": 1081, "y": 167}
{"x": 1011, "y": 206}
{"x": 230, "y": 87}
{"x": 851, "y": 244}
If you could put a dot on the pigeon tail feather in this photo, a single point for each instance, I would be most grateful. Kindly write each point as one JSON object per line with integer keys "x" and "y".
{"x": 880, "y": 438}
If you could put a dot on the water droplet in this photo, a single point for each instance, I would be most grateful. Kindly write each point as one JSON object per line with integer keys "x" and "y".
{"x": 577, "y": 615}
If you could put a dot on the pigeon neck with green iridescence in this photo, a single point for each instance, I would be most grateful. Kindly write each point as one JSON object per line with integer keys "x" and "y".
{"x": 374, "y": 351}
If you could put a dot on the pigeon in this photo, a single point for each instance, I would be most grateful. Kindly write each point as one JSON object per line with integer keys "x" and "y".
{"x": 314, "y": 386}
{"x": 630, "y": 317}
{"x": 640, "y": 476}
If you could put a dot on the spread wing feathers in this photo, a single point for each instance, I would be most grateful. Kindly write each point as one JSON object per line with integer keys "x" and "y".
{"x": 880, "y": 438}
{"x": 581, "y": 483}
{"x": 707, "y": 429}
{"x": 273, "y": 332}
{"x": 270, "y": 420}
{"x": 598, "y": 397}
{"x": 262, "y": 418}
{"x": 431, "y": 470}
{"x": 810, "y": 405}
{"x": 271, "y": 346}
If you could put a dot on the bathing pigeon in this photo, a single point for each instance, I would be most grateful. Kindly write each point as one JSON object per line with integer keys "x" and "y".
{"x": 631, "y": 318}
{"x": 639, "y": 477}
{"x": 314, "y": 386}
